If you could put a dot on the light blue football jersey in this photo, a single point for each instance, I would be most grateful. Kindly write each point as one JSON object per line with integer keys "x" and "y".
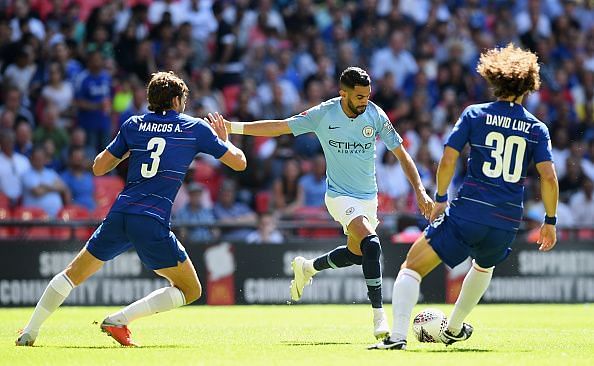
{"x": 348, "y": 144}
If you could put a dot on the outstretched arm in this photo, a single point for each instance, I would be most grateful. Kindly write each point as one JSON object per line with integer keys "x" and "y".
{"x": 259, "y": 128}
{"x": 445, "y": 173}
{"x": 408, "y": 166}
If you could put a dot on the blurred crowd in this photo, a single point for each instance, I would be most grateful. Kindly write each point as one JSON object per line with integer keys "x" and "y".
{"x": 72, "y": 71}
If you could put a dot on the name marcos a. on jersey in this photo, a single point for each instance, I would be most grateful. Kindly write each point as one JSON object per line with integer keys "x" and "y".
{"x": 162, "y": 146}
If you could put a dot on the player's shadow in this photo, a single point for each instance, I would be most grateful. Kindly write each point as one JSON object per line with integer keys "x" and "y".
{"x": 311, "y": 343}
{"x": 117, "y": 346}
{"x": 451, "y": 350}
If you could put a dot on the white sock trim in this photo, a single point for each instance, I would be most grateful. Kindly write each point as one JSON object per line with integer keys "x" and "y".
{"x": 411, "y": 273}
{"x": 62, "y": 284}
{"x": 177, "y": 297}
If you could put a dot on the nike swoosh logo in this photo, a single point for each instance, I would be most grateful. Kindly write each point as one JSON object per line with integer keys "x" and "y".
{"x": 333, "y": 127}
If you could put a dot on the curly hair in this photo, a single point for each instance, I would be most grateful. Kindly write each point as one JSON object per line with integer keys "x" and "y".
{"x": 510, "y": 71}
{"x": 163, "y": 87}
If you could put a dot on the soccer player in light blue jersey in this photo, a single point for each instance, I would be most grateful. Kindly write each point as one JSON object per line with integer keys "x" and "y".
{"x": 160, "y": 146}
{"x": 482, "y": 221}
{"x": 347, "y": 127}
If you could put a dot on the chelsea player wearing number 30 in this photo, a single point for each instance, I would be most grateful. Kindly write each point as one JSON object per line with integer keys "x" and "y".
{"x": 347, "y": 127}
{"x": 483, "y": 219}
{"x": 161, "y": 145}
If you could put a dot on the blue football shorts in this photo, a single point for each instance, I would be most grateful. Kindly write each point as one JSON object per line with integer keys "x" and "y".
{"x": 454, "y": 239}
{"x": 156, "y": 245}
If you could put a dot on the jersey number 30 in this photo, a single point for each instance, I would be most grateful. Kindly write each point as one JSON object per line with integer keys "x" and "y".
{"x": 145, "y": 170}
{"x": 503, "y": 153}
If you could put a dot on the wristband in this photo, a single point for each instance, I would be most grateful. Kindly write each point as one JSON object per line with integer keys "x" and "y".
{"x": 441, "y": 199}
{"x": 236, "y": 128}
{"x": 550, "y": 220}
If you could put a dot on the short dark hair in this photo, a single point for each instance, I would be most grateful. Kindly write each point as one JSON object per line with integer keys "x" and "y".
{"x": 353, "y": 76}
{"x": 163, "y": 87}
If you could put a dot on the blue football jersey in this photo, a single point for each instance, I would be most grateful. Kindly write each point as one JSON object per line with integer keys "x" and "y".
{"x": 162, "y": 146}
{"x": 504, "y": 138}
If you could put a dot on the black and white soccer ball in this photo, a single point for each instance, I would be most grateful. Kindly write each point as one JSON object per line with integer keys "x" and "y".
{"x": 429, "y": 326}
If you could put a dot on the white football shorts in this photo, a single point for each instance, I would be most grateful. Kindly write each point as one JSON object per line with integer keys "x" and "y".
{"x": 344, "y": 209}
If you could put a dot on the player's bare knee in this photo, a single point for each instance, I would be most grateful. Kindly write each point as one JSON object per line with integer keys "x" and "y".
{"x": 192, "y": 293}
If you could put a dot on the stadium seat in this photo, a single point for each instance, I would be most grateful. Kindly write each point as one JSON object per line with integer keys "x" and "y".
{"x": 209, "y": 176}
{"x": 231, "y": 96}
{"x": 5, "y": 231}
{"x": 28, "y": 214}
{"x": 262, "y": 202}
{"x": 315, "y": 215}
{"x": 385, "y": 204}
{"x": 107, "y": 189}
{"x": 72, "y": 213}
{"x": 4, "y": 201}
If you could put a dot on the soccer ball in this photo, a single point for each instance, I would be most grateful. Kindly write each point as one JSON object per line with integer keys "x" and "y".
{"x": 429, "y": 325}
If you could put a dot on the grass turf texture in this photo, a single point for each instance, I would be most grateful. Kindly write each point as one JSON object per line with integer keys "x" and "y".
{"x": 301, "y": 335}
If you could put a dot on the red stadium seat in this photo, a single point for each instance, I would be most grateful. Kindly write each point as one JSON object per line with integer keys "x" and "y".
{"x": 29, "y": 214}
{"x": 5, "y": 231}
{"x": 262, "y": 202}
{"x": 315, "y": 215}
{"x": 72, "y": 213}
{"x": 385, "y": 204}
{"x": 4, "y": 201}
{"x": 107, "y": 189}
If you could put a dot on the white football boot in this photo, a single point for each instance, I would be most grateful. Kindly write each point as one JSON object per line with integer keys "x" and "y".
{"x": 302, "y": 278}
{"x": 381, "y": 328}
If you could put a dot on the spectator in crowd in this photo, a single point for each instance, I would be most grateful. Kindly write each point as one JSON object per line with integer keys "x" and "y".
{"x": 59, "y": 92}
{"x": 79, "y": 180}
{"x": 287, "y": 192}
{"x": 138, "y": 104}
{"x": 21, "y": 72}
{"x": 13, "y": 102}
{"x": 93, "y": 99}
{"x": 573, "y": 179}
{"x": 314, "y": 184}
{"x": 12, "y": 167}
{"x": 194, "y": 213}
{"x": 49, "y": 129}
{"x": 24, "y": 138}
{"x": 266, "y": 232}
{"x": 582, "y": 205}
{"x": 228, "y": 211}
{"x": 391, "y": 180}
{"x": 42, "y": 186}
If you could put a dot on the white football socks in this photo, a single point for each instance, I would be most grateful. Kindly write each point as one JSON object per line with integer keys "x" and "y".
{"x": 54, "y": 295}
{"x": 404, "y": 297}
{"x": 158, "y": 301}
{"x": 474, "y": 286}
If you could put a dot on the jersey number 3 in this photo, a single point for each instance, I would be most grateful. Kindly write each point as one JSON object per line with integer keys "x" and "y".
{"x": 145, "y": 170}
{"x": 503, "y": 152}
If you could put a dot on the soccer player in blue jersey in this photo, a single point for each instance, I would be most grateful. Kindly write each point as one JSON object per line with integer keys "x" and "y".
{"x": 482, "y": 221}
{"x": 160, "y": 145}
{"x": 347, "y": 127}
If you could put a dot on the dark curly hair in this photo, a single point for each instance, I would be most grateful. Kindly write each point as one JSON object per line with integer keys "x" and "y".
{"x": 163, "y": 87}
{"x": 510, "y": 71}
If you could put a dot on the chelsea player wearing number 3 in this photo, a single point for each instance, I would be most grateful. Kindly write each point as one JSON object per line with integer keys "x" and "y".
{"x": 161, "y": 145}
{"x": 347, "y": 127}
{"x": 483, "y": 219}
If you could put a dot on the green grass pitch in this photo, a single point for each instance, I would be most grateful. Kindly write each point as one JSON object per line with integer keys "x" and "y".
{"x": 506, "y": 335}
